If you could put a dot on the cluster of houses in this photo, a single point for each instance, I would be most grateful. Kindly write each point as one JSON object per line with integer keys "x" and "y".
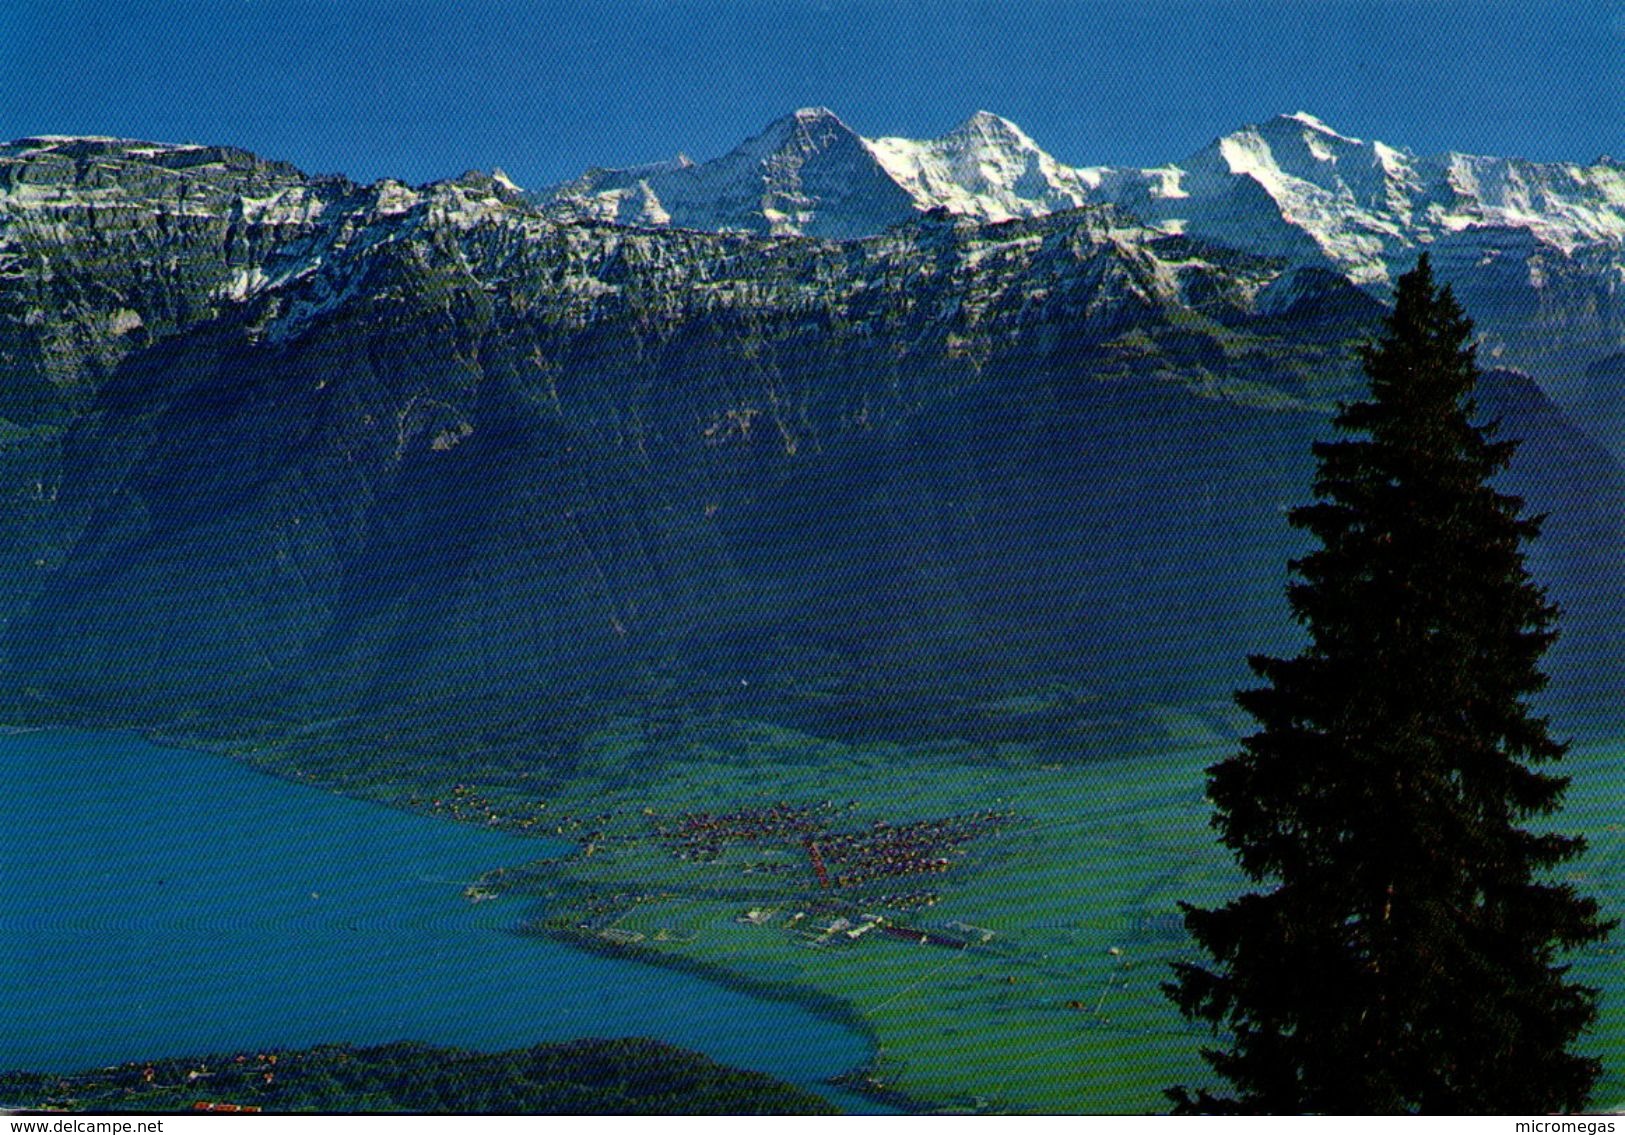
{"x": 702, "y": 837}
{"x": 924, "y": 847}
{"x": 837, "y": 858}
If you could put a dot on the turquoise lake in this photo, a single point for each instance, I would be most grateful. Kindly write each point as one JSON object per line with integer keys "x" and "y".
{"x": 164, "y": 903}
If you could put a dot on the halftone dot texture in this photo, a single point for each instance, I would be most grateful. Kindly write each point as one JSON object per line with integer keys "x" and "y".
{"x": 173, "y": 904}
{"x": 421, "y": 89}
{"x": 168, "y": 903}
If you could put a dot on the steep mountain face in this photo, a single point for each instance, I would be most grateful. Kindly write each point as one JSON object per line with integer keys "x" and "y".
{"x": 446, "y": 449}
{"x": 109, "y": 247}
{"x": 434, "y": 458}
{"x": 1291, "y": 186}
{"x": 1536, "y": 249}
{"x": 986, "y": 168}
{"x": 106, "y": 245}
{"x": 1367, "y": 207}
{"x": 806, "y": 174}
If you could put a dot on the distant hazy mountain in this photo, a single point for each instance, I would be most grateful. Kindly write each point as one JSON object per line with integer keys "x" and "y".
{"x": 287, "y": 447}
{"x": 810, "y": 174}
{"x": 1367, "y": 207}
{"x": 1535, "y": 248}
{"x": 806, "y": 174}
{"x": 1290, "y": 186}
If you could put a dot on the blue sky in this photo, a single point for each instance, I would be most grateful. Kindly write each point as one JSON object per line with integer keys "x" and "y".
{"x": 421, "y": 89}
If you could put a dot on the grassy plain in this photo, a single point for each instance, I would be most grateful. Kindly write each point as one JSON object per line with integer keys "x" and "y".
{"x": 1075, "y": 892}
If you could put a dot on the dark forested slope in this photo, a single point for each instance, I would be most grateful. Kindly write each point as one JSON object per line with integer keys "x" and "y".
{"x": 395, "y": 455}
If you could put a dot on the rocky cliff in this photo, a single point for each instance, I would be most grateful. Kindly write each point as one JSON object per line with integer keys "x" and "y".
{"x": 1536, "y": 249}
{"x": 292, "y": 449}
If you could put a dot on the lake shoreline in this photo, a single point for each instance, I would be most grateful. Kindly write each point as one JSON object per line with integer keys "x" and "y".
{"x": 1591, "y": 800}
{"x": 324, "y": 886}
{"x": 858, "y": 1079}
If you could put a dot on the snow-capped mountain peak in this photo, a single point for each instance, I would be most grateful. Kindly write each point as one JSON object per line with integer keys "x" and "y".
{"x": 986, "y": 167}
{"x": 807, "y": 173}
{"x": 1291, "y": 186}
{"x": 805, "y": 132}
{"x": 1302, "y": 147}
{"x": 1305, "y": 190}
{"x": 1295, "y": 186}
{"x": 1318, "y": 125}
{"x": 985, "y": 125}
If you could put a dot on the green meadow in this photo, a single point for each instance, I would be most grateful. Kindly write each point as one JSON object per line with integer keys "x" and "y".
{"x": 1022, "y": 976}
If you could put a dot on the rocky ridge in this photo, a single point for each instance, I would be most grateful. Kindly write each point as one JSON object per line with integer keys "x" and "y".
{"x": 1535, "y": 248}
{"x": 1291, "y": 185}
{"x": 289, "y": 445}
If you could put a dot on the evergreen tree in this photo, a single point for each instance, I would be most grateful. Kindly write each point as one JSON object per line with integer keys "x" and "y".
{"x": 1400, "y": 952}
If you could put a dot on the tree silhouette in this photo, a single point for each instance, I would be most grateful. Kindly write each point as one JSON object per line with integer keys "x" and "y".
{"x": 1401, "y": 951}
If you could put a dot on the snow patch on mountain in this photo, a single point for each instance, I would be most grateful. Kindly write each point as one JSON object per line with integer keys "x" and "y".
{"x": 1292, "y": 186}
{"x": 1536, "y": 250}
{"x": 1368, "y": 206}
{"x": 987, "y": 168}
{"x": 807, "y": 174}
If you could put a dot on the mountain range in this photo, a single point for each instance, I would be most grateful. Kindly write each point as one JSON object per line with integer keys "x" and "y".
{"x": 863, "y": 436}
{"x": 1525, "y": 242}
{"x": 1293, "y": 183}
